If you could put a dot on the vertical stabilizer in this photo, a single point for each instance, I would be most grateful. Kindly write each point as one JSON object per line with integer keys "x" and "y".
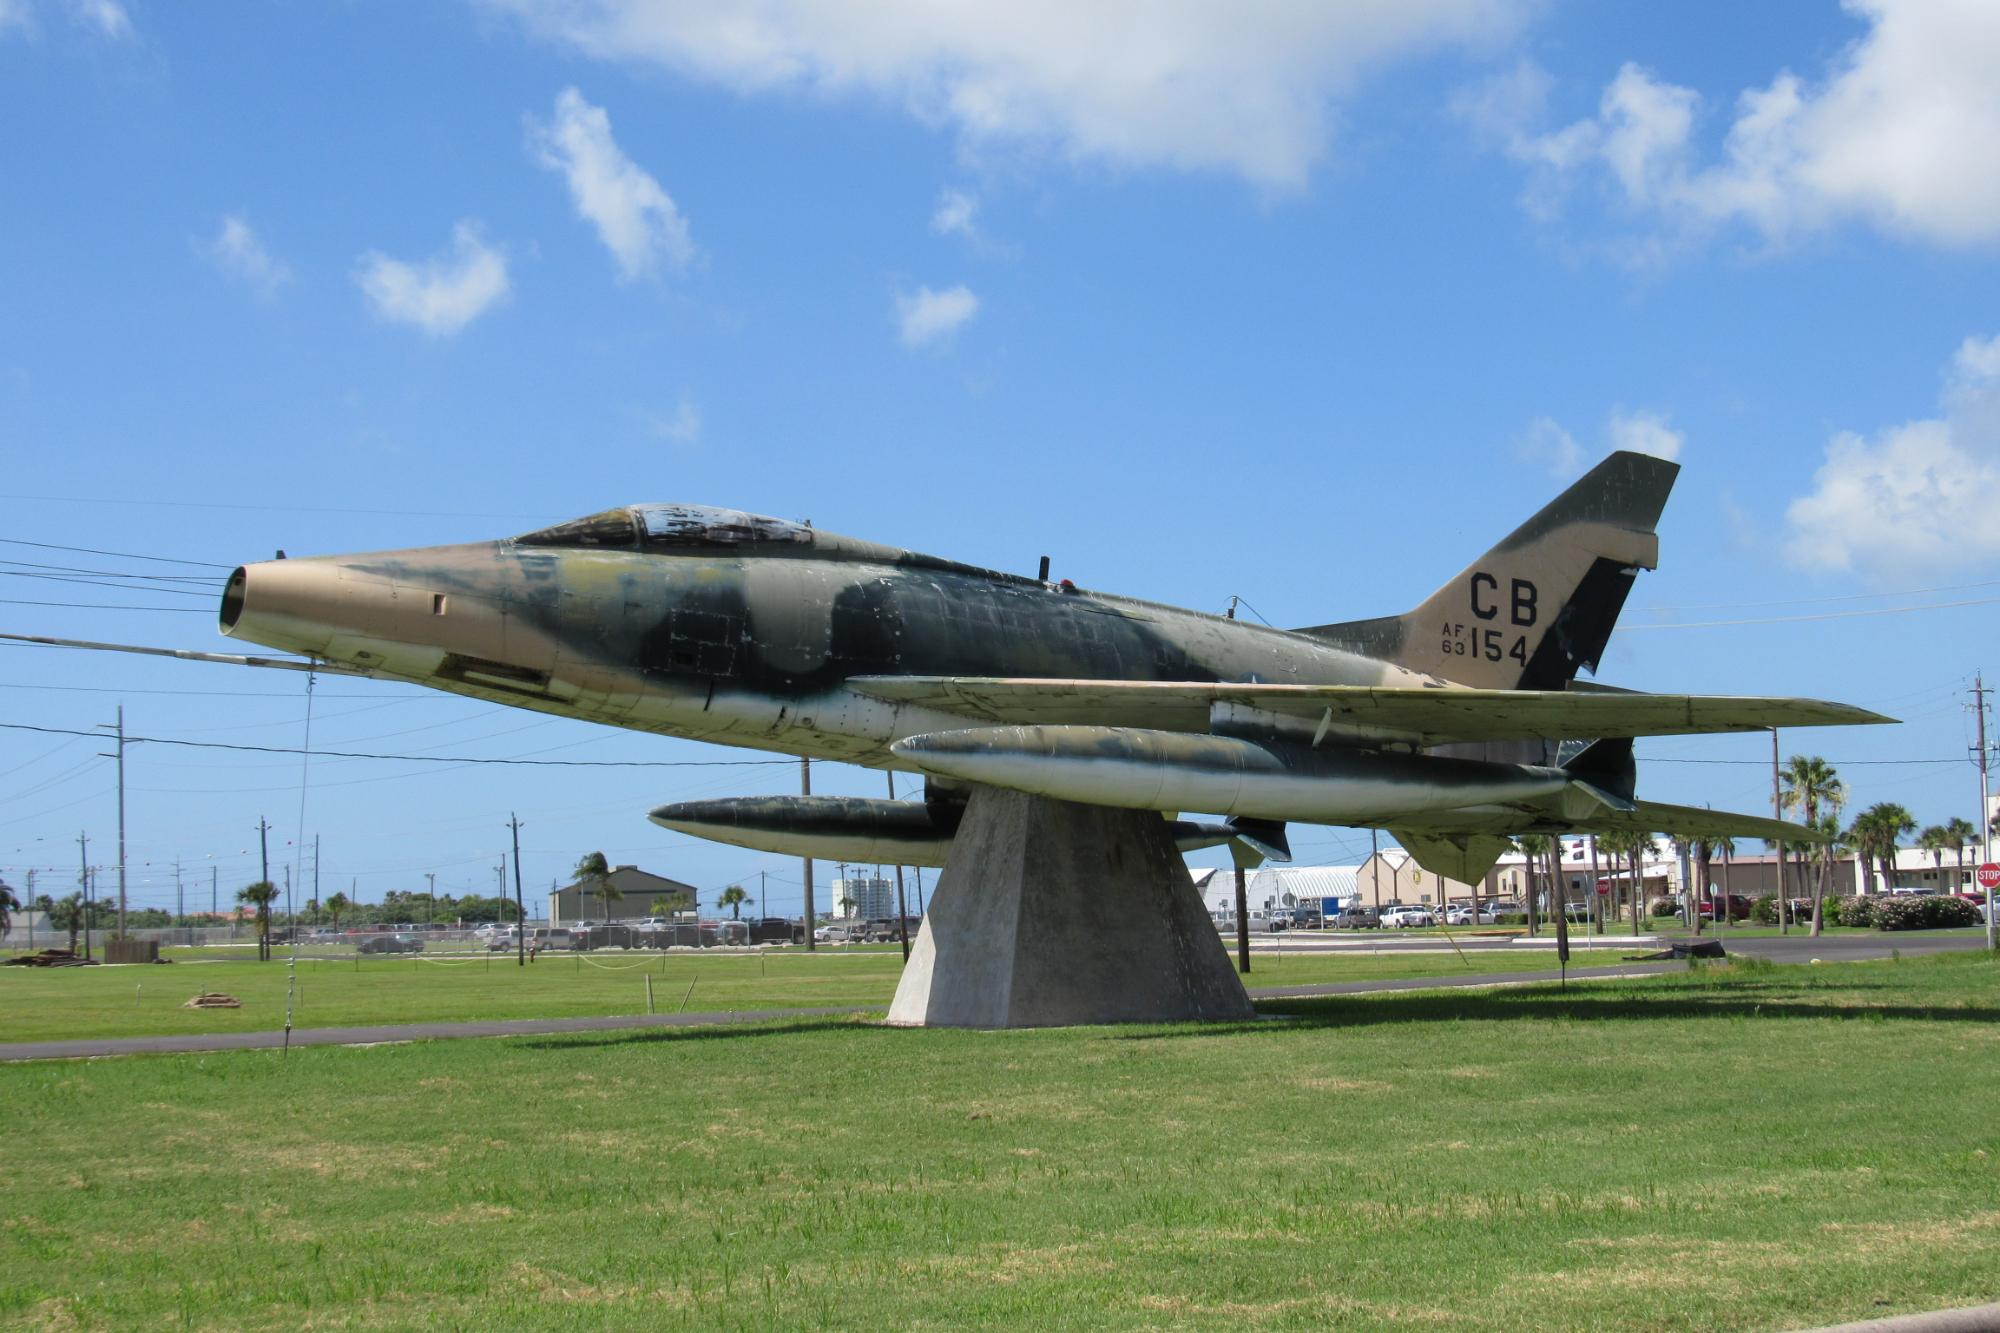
{"x": 1540, "y": 605}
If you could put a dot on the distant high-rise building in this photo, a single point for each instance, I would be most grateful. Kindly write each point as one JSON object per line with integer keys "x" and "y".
{"x": 874, "y": 897}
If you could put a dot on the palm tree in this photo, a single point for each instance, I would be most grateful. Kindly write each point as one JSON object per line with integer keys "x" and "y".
{"x": 1875, "y": 834}
{"x": 65, "y": 914}
{"x": 1960, "y": 830}
{"x": 1721, "y": 844}
{"x": 592, "y": 868}
{"x": 1934, "y": 840}
{"x": 846, "y": 905}
{"x": 9, "y": 904}
{"x": 335, "y": 906}
{"x": 1810, "y": 783}
{"x": 1534, "y": 847}
{"x": 733, "y": 898}
{"x": 260, "y": 895}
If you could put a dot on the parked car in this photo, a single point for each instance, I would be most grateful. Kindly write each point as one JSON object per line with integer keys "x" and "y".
{"x": 1279, "y": 918}
{"x": 1739, "y": 908}
{"x": 502, "y": 939}
{"x": 1459, "y": 914}
{"x": 1403, "y": 917}
{"x": 1357, "y": 918}
{"x": 396, "y": 943}
{"x": 1309, "y": 918}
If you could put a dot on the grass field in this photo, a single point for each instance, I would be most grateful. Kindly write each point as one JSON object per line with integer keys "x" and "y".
{"x": 1739, "y": 1147}
{"x": 46, "y": 1004}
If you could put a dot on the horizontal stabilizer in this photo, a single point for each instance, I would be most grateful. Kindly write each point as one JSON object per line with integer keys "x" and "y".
{"x": 1359, "y": 712}
{"x": 1690, "y": 820}
{"x": 1266, "y": 836}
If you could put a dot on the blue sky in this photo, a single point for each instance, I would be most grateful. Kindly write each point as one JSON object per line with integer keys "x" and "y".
{"x": 1299, "y": 302}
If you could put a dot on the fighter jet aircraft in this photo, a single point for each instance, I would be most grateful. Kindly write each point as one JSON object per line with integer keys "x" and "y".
{"x": 1453, "y": 726}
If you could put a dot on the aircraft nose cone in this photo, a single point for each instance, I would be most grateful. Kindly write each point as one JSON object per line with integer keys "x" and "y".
{"x": 288, "y": 604}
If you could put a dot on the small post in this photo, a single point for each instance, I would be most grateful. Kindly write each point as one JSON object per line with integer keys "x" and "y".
{"x": 902, "y": 905}
{"x": 649, "y": 992}
{"x": 1242, "y": 923}
{"x": 690, "y": 993}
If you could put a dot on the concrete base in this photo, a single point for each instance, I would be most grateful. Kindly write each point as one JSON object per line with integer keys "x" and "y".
{"x": 1050, "y": 913}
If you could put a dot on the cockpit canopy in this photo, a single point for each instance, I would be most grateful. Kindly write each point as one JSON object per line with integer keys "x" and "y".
{"x": 662, "y": 527}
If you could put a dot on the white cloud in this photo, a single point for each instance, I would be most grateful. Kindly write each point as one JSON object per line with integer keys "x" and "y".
{"x": 925, "y": 316}
{"x": 636, "y": 219}
{"x": 681, "y": 426}
{"x": 1546, "y": 444}
{"x": 1917, "y": 498}
{"x": 108, "y": 17}
{"x": 1645, "y": 433}
{"x": 1242, "y": 88}
{"x": 237, "y": 251}
{"x": 954, "y": 213}
{"x": 440, "y": 295}
{"x": 1898, "y": 134}
{"x": 14, "y": 14}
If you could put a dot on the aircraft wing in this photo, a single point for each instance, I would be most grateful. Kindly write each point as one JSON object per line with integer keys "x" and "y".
{"x": 186, "y": 655}
{"x": 1372, "y": 713}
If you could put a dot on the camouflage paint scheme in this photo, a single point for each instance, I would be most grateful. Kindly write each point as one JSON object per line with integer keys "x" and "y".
{"x": 711, "y": 624}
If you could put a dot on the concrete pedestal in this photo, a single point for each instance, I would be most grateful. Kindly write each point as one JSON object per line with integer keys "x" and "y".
{"x": 1050, "y": 913}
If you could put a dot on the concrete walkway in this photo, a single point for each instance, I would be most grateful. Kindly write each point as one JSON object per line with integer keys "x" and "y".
{"x": 196, "y": 1042}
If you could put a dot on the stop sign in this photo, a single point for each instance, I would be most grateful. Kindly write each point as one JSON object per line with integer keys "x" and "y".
{"x": 1989, "y": 875}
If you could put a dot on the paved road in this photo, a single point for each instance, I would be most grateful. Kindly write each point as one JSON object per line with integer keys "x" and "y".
{"x": 186, "y": 1043}
{"x": 189, "y": 1043}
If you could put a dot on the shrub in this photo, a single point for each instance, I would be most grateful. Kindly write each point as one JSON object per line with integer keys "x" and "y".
{"x": 1765, "y": 910}
{"x": 1852, "y": 911}
{"x": 1923, "y": 912}
{"x": 1664, "y": 907}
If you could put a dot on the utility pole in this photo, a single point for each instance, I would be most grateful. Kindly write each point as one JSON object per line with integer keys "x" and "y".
{"x": 30, "y": 891}
{"x": 264, "y": 849}
{"x": 520, "y": 911}
{"x": 120, "y": 757}
{"x": 806, "y": 789}
{"x": 1374, "y": 870}
{"x": 83, "y": 885}
{"x": 214, "y": 898}
{"x": 902, "y": 907}
{"x": 1778, "y": 812}
{"x": 431, "y": 875}
{"x": 1979, "y": 693}
{"x": 316, "y": 898}
{"x": 180, "y": 904}
{"x": 1242, "y": 919}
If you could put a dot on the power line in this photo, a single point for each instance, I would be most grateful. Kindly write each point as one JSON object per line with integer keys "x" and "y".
{"x": 1848, "y": 763}
{"x": 78, "y": 580}
{"x": 1815, "y": 601}
{"x": 259, "y": 508}
{"x": 419, "y": 758}
{"x": 122, "y": 555}
{"x": 1823, "y": 615}
{"x": 102, "y": 606}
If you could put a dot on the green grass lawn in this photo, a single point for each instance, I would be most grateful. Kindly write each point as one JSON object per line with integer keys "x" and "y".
{"x": 47, "y": 1004}
{"x": 1739, "y": 1147}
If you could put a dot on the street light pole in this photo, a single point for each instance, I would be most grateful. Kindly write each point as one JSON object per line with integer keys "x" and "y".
{"x": 520, "y": 910}
{"x": 1985, "y": 825}
{"x": 805, "y": 789}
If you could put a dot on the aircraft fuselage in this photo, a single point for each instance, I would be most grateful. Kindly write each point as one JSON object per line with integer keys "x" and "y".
{"x": 751, "y": 646}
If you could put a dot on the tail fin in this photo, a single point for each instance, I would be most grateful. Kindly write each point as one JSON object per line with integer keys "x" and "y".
{"x": 1541, "y": 604}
